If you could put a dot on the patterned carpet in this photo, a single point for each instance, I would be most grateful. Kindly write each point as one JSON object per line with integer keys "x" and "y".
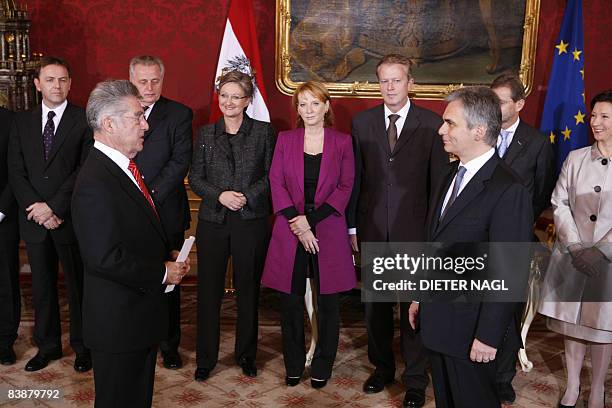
{"x": 227, "y": 387}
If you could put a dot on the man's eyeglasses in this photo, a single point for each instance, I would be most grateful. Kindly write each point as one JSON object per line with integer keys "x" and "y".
{"x": 137, "y": 118}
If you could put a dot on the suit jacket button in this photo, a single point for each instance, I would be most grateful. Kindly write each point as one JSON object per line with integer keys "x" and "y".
{"x": 46, "y": 177}
{"x": 593, "y": 217}
{"x": 604, "y": 162}
{"x": 597, "y": 189}
{"x": 390, "y": 159}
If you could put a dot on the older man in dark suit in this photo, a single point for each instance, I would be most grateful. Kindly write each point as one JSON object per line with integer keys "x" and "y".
{"x": 480, "y": 200}
{"x": 530, "y": 154}
{"x": 164, "y": 162}
{"x": 398, "y": 154}
{"x": 10, "y": 312}
{"x": 47, "y": 147}
{"x": 125, "y": 249}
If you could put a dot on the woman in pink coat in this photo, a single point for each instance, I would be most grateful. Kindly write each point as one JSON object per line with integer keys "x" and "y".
{"x": 311, "y": 179}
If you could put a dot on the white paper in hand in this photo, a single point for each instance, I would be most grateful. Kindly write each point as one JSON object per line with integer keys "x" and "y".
{"x": 182, "y": 256}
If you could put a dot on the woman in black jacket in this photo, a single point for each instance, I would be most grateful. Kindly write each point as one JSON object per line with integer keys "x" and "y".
{"x": 229, "y": 172}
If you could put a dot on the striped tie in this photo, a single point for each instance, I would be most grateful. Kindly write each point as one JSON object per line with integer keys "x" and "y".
{"x": 145, "y": 192}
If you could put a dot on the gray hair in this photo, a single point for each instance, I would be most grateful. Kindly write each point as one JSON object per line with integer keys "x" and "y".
{"x": 106, "y": 99}
{"x": 146, "y": 60}
{"x": 481, "y": 106}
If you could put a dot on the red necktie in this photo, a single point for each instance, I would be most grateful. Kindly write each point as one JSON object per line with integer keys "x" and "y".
{"x": 145, "y": 192}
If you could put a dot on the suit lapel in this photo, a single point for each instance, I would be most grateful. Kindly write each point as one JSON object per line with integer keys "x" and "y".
{"x": 411, "y": 124}
{"x": 438, "y": 196}
{"x": 131, "y": 190}
{"x": 156, "y": 116}
{"x": 469, "y": 192}
{"x": 297, "y": 157}
{"x": 329, "y": 148}
{"x": 379, "y": 130}
{"x": 35, "y": 132}
{"x": 519, "y": 141}
{"x": 63, "y": 130}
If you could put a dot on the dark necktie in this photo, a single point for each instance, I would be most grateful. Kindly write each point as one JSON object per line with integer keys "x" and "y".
{"x": 392, "y": 131}
{"x": 48, "y": 133}
{"x": 460, "y": 173}
{"x": 143, "y": 188}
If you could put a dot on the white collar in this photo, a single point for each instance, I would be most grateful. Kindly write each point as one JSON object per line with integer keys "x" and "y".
{"x": 477, "y": 162}
{"x": 59, "y": 110}
{"x": 512, "y": 129}
{"x": 115, "y": 155}
{"x": 403, "y": 112}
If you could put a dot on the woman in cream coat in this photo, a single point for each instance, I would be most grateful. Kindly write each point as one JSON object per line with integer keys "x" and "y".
{"x": 576, "y": 290}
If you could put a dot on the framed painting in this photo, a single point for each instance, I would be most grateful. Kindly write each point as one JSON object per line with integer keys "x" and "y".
{"x": 453, "y": 43}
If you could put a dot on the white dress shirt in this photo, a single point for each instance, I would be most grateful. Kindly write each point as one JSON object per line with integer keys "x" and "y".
{"x": 123, "y": 162}
{"x": 471, "y": 168}
{"x": 399, "y": 123}
{"x": 59, "y": 112}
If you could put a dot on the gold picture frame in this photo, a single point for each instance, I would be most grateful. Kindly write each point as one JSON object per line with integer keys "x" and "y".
{"x": 323, "y": 42}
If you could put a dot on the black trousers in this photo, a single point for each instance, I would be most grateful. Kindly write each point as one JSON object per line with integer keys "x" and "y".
{"x": 292, "y": 327}
{"x": 247, "y": 242}
{"x": 124, "y": 379}
{"x": 507, "y": 355}
{"x": 10, "y": 297}
{"x": 171, "y": 343}
{"x": 380, "y": 326}
{"x": 43, "y": 258}
{"x": 461, "y": 383}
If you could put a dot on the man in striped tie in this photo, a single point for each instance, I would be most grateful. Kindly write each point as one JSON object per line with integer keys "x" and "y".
{"x": 128, "y": 259}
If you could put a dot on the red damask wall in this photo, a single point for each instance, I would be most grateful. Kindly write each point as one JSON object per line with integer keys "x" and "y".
{"x": 98, "y": 38}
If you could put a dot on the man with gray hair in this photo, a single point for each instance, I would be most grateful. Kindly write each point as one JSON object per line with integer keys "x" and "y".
{"x": 164, "y": 162}
{"x": 127, "y": 256}
{"x": 480, "y": 200}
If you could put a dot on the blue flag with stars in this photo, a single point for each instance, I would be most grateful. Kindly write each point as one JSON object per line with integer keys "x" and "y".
{"x": 563, "y": 120}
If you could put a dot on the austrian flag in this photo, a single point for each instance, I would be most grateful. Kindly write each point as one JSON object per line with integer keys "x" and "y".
{"x": 239, "y": 50}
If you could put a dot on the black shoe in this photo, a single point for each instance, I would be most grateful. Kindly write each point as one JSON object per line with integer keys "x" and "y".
{"x": 7, "y": 355}
{"x": 248, "y": 367}
{"x": 414, "y": 398}
{"x": 292, "y": 381}
{"x": 201, "y": 374}
{"x": 505, "y": 393}
{"x": 316, "y": 384}
{"x": 573, "y": 406}
{"x": 82, "y": 362}
{"x": 376, "y": 383}
{"x": 172, "y": 359}
{"x": 40, "y": 361}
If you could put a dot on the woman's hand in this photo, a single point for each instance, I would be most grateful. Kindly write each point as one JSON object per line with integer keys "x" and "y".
{"x": 309, "y": 242}
{"x": 232, "y": 200}
{"x": 590, "y": 261}
{"x": 299, "y": 225}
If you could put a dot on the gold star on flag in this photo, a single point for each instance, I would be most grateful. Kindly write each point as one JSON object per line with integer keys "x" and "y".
{"x": 562, "y": 47}
{"x": 579, "y": 117}
{"x": 582, "y": 73}
{"x": 566, "y": 133}
{"x": 552, "y": 137}
{"x": 576, "y": 54}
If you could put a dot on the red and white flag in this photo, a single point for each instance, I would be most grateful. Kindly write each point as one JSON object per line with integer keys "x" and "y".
{"x": 239, "y": 50}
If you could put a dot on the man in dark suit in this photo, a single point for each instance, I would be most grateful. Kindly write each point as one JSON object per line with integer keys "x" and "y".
{"x": 398, "y": 154}
{"x": 125, "y": 250}
{"x": 530, "y": 155}
{"x": 47, "y": 147}
{"x": 480, "y": 200}
{"x": 10, "y": 312}
{"x": 164, "y": 162}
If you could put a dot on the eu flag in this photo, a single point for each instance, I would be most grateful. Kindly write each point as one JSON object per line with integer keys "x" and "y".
{"x": 564, "y": 118}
